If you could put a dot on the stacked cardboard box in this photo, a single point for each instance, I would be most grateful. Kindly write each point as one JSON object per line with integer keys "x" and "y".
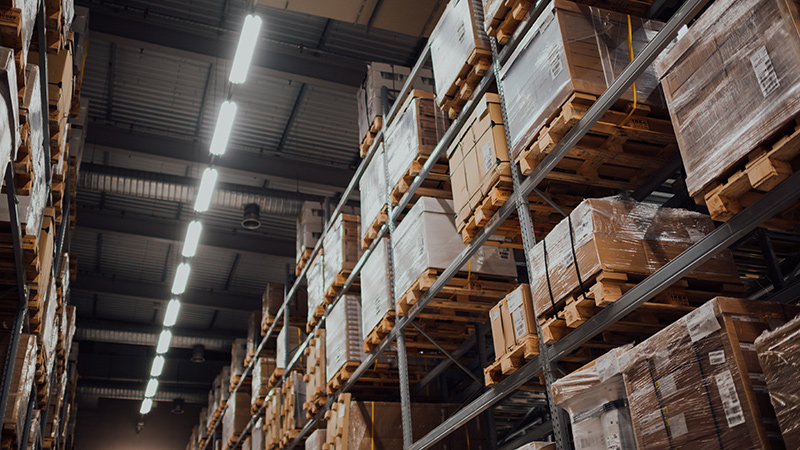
{"x": 374, "y": 195}
{"x": 22, "y": 382}
{"x": 342, "y": 248}
{"x": 17, "y": 19}
{"x": 697, "y": 383}
{"x": 272, "y": 420}
{"x": 343, "y": 341}
{"x": 296, "y": 337}
{"x": 257, "y": 435}
{"x": 316, "y": 440}
{"x": 377, "y": 301}
{"x": 513, "y": 322}
{"x": 315, "y": 302}
{"x": 779, "y": 355}
{"x": 309, "y": 230}
{"x": 236, "y": 417}
{"x": 427, "y": 239}
{"x": 238, "y": 355}
{"x": 262, "y": 371}
{"x": 460, "y": 52}
{"x": 253, "y": 335}
{"x": 731, "y": 82}
{"x": 293, "y": 394}
{"x": 271, "y": 301}
{"x": 572, "y": 48}
{"x": 315, "y": 378}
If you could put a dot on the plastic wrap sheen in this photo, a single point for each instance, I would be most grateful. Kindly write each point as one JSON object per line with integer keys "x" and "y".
{"x": 342, "y": 245}
{"x": 343, "y": 339}
{"x": 376, "y": 288}
{"x": 372, "y": 189}
{"x": 238, "y": 354}
{"x": 316, "y": 285}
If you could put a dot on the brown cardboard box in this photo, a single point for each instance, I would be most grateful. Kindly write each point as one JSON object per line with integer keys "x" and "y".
{"x": 508, "y": 327}
{"x": 779, "y": 356}
{"x": 697, "y": 383}
{"x": 59, "y": 77}
{"x": 236, "y": 416}
{"x": 271, "y": 301}
{"x": 498, "y": 333}
{"x": 730, "y": 82}
{"x": 520, "y": 307}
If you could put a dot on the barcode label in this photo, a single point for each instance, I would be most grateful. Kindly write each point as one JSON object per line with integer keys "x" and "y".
{"x": 717, "y": 357}
{"x": 758, "y": 377}
{"x": 488, "y": 157}
{"x": 765, "y": 71}
{"x": 518, "y": 317}
{"x": 554, "y": 62}
{"x": 677, "y": 426}
{"x": 747, "y": 346}
{"x": 702, "y": 322}
{"x": 730, "y": 399}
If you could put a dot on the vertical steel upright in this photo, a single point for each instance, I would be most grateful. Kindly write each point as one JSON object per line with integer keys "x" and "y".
{"x": 491, "y": 427}
{"x": 557, "y": 415}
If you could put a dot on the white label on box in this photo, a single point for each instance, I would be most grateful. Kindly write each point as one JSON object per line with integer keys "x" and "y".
{"x": 661, "y": 358}
{"x": 677, "y": 426}
{"x": 667, "y": 386}
{"x": 717, "y": 357}
{"x": 760, "y": 389}
{"x": 745, "y": 318}
{"x": 554, "y": 62}
{"x": 759, "y": 377}
{"x": 653, "y": 429}
{"x": 518, "y": 317}
{"x": 748, "y": 347}
{"x": 496, "y": 314}
{"x": 730, "y": 399}
{"x": 488, "y": 158}
{"x": 341, "y": 410}
{"x": 765, "y": 71}
{"x": 702, "y": 322}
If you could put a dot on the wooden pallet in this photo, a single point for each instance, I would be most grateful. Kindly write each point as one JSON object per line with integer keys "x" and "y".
{"x": 436, "y": 184}
{"x": 610, "y": 155}
{"x": 369, "y": 138}
{"x": 303, "y": 261}
{"x": 316, "y": 316}
{"x": 758, "y": 173}
{"x": 11, "y": 36}
{"x": 606, "y": 287}
{"x": 379, "y": 333}
{"x": 457, "y": 95}
{"x": 497, "y": 190}
{"x": 277, "y": 374}
{"x": 339, "y": 281}
{"x": 504, "y": 20}
{"x": 371, "y": 232}
{"x": 512, "y": 361}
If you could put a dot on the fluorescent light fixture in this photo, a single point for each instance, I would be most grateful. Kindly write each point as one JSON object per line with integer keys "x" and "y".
{"x": 227, "y": 114}
{"x": 171, "y": 316}
{"x": 163, "y": 342}
{"x": 181, "y": 278}
{"x": 245, "y": 48}
{"x": 152, "y": 387}
{"x": 192, "y": 238}
{"x": 206, "y": 190}
{"x": 147, "y": 405}
{"x": 158, "y": 366}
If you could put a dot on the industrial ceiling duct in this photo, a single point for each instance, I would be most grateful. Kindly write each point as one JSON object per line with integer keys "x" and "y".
{"x": 137, "y": 183}
{"x": 252, "y": 213}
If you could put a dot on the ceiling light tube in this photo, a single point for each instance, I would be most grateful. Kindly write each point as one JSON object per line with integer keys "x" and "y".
{"x": 158, "y": 366}
{"x": 192, "y": 238}
{"x": 227, "y": 114}
{"x": 181, "y": 278}
{"x": 206, "y": 190}
{"x": 147, "y": 405}
{"x": 163, "y": 342}
{"x": 152, "y": 387}
{"x": 245, "y": 48}
{"x": 171, "y": 316}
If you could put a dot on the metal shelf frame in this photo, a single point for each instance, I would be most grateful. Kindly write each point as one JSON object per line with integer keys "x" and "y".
{"x": 721, "y": 238}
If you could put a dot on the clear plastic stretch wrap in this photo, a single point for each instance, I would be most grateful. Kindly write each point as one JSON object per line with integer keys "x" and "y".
{"x": 372, "y": 189}
{"x": 253, "y": 332}
{"x": 344, "y": 342}
{"x": 262, "y": 370}
{"x": 779, "y": 355}
{"x": 427, "y": 239}
{"x": 595, "y": 398}
{"x": 731, "y": 81}
{"x": 296, "y": 336}
{"x": 415, "y": 131}
{"x": 31, "y": 203}
{"x": 309, "y": 227}
{"x": 380, "y": 88}
{"x": 697, "y": 383}
{"x": 458, "y": 33}
{"x": 316, "y": 440}
{"x": 203, "y": 426}
{"x": 238, "y": 354}
{"x": 68, "y": 10}
{"x": 225, "y": 381}
{"x": 272, "y": 299}
{"x": 22, "y": 380}
{"x": 572, "y": 48}
{"x": 28, "y": 10}
{"x": 213, "y": 398}
{"x": 9, "y": 111}
{"x": 342, "y": 247}
{"x": 49, "y": 336}
{"x": 237, "y": 415}
{"x": 617, "y": 234}
{"x": 376, "y": 288}
{"x": 316, "y": 285}
{"x": 294, "y": 395}
{"x": 257, "y": 435}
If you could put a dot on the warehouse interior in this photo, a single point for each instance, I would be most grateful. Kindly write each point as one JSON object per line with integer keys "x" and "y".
{"x": 410, "y": 224}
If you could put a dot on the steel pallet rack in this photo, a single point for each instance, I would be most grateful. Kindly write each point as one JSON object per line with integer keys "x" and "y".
{"x": 724, "y": 236}
{"x": 22, "y": 320}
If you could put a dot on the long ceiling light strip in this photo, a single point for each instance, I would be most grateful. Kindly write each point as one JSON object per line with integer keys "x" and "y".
{"x": 205, "y": 193}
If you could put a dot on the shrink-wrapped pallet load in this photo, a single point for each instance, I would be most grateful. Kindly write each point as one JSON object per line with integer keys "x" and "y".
{"x": 342, "y": 246}
{"x": 309, "y": 229}
{"x": 376, "y": 288}
{"x": 343, "y": 339}
{"x": 238, "y": 355}
{"x": 779, "y": 356}
{"x": 295, "y": 338}
{"x": 315, "y": 302}
{"x": 374, "y": 195}
{"x": 262, "y": 370}
{"x": 271, "y": 301}
{"x": 22, "y": 383}
{"x": 236, "y": 417}
{"x": 316, "y": 440}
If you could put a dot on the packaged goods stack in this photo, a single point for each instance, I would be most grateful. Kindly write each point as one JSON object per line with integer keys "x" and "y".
{"x": 410, "y": 139}
{"x": 604, "y": 248}
{"x": 316, "y": 291}
{"x": 24, "y": 373}
{"x": 271, "y": 301}
{"x": 424, "y": 244}
{"x": 513, "y": 333}
{"x": 238, "y": 355}
{"x": 461, "y": 54}
{"x": 316, "y": 440}
{"x": 315, "y": 377}
{"x": 293, "y": 394}
{"x": 263, "y": 369}
{"x": 309, "y": 229}
{"x": 236, "y": 417}
{"x": 736, "y": 115}
{"x": 273, "y": 425}
{"x": 378, "y": 92}
{"x": 779, "y": 355}
{"x": 342, "y": 249}
{"x": 295, "y": 338}
{"x": 377, "y": 301}
{"x": 374, "y": 196}
{"x": 257, "y": 436}
{"x": 253, "y": 336}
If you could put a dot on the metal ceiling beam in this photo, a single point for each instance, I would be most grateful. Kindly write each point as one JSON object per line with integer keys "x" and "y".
{"x": 277, "y": 59}
{"x": 172, "y": 149}
{"x": 127, "y": 333}
{"x": 134, "y": 391}
{"x": 166, "y": 230}
{"x": 158, "y": 292}
{"x": 133, "y": 368}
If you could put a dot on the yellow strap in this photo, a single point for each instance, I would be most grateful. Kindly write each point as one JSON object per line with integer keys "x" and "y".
{"x": 372, "y": 427}
{"x": 467, "y": 429}
{"x": 633, "y": 86}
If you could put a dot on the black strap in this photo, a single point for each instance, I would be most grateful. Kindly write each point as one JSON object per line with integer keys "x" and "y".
{"x": 547, "y": 275}
{"x": 708, "y": 394}
{"x": 574, "y": 255}
{"x": 660, "y": 404}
